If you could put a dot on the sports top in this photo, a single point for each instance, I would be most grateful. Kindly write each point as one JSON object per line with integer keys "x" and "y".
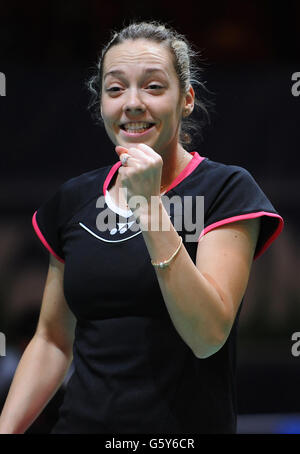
{"x": 133, "y": 373}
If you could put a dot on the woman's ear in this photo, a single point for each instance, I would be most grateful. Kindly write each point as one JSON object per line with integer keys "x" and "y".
{"x": 189, "y": 102}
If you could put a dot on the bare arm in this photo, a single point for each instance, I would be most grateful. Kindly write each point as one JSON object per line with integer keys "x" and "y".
{"x": 46, "y": 359}
{"x": 203, "y": 299}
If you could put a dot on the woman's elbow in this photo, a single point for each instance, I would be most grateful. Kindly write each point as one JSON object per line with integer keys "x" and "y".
{"x": 214, "y": 341}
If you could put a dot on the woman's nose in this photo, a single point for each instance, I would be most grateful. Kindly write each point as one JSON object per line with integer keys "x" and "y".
{"x": 133, "y": 103}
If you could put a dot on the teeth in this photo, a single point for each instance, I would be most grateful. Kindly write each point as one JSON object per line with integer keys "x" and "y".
{"x": 136, "y": 126}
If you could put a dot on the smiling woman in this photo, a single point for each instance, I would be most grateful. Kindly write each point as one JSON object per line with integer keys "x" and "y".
{"x": 150, "y": 316}
{"x": 141, "y": 98}
{"x": 185, "y": 62}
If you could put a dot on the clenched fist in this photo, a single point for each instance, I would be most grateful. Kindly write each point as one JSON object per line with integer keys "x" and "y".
{"x": 141, "y": 175}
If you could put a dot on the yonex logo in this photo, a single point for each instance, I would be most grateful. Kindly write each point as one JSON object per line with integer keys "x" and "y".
{"x": 122, "y": 227}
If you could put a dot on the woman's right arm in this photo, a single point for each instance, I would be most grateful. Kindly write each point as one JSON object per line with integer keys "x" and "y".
{"x": 45, "y": 361}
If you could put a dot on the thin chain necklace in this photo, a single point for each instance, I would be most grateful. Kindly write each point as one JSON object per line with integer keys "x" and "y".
{"x": 179, "y": 165}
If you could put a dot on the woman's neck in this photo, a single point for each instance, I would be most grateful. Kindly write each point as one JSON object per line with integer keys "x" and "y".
{"x": 173, "y": 164}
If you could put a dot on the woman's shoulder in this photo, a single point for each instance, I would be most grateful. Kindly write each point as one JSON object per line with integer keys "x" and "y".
{"x": 218, "y": 167}
{"x": 212, "y": 174}
{"x": 86, "y": 179}
{"x": 78, "y": 190}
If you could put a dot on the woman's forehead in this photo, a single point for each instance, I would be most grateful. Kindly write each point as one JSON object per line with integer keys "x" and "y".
{"x": 139, "y": 53}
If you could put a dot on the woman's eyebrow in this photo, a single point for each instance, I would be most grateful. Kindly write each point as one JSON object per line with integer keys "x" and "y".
{"x": 119, "y": 72}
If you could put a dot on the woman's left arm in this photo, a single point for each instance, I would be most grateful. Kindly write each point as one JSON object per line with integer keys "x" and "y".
{"x": 203, "y": 298}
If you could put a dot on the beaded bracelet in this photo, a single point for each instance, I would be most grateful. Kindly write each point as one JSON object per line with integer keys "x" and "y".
{"x": 165, "y": 263}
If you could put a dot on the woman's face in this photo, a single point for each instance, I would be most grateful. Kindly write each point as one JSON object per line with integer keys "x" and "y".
{"x": 141, "y": 99}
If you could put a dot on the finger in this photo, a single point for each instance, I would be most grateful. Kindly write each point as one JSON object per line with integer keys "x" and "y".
{"x": 133, "y": 152}
{"x": 147, "y": 150}
{"x": 139, "y": 147}
{"x": 120, "y": 150}
{"x": 123, "y": 152}
{"x": 124, "y": 159}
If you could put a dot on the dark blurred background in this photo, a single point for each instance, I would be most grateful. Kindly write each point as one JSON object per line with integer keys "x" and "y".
{"x": 251, "y": 50}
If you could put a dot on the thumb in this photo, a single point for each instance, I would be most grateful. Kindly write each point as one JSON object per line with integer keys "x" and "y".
{"x": 120, "y": 150}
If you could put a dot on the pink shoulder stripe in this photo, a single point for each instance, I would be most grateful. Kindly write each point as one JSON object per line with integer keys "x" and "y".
{"x": 250, "y": 216}
{"x": 42, "y": 238}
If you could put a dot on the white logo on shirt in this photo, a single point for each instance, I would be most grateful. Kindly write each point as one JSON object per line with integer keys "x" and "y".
{"x": 122, "y": 227}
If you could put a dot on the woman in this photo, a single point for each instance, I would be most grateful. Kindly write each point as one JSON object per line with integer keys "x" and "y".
{"x": 150, "y": 314}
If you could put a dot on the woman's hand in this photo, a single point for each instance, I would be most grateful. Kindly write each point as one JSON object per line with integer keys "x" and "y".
{"x": 141, "y": 176}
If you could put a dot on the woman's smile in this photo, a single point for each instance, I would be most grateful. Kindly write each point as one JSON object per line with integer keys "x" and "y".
{"x": 136, "y": 129}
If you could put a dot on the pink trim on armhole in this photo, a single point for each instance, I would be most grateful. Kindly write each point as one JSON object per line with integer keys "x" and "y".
{"x": 249, "y": 216}
{"x": 42, "y": 238}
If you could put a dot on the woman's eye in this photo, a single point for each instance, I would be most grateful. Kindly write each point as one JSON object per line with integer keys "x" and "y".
{"x": 113, "y": 89}
{"x": 155, "y": 87}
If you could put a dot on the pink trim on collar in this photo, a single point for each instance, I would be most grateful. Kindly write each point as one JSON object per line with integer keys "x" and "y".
{"x": 191, "y": 166}
{"x": 110, "y": 175}
{"x": 197, "y": 159}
